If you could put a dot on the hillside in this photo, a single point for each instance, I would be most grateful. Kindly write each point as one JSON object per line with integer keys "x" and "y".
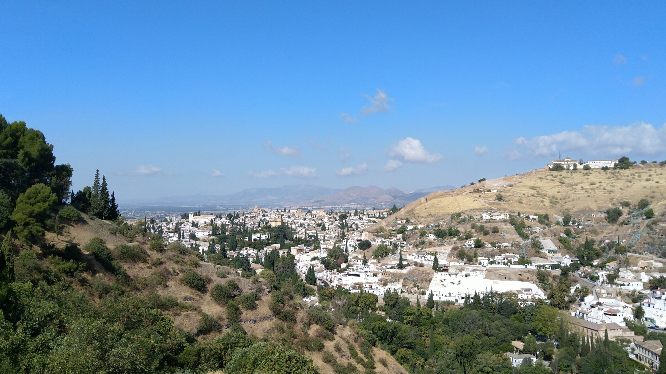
{"x": 545, "y": 192}
{"x": 157, "y": 277}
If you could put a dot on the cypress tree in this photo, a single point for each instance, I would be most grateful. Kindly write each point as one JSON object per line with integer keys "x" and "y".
{"x": 418, "y": 302}
{"x": 310, "y": 277}
{"x": 365, "y": 259}
{"x": 435, "y": 263}
{"x": 400, "y": 264}
{"x": 431, "y": 302}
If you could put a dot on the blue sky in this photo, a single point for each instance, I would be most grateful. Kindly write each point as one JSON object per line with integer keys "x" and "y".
{"x": 181, "y": 98}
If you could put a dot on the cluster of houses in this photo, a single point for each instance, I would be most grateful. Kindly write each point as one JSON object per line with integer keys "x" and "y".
{"x": 570, "y": 164}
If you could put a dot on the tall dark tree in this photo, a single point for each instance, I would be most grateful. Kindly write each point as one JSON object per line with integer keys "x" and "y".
{"x": 431, "y": 301}
{"x": 104, "y": 200}
{"x": 113, "y": 208}
{"x": 435, "y": 264}
{"x": 400, "y": 264}
{"x": 310, "y": 277}
{"x": 96, "y": 208}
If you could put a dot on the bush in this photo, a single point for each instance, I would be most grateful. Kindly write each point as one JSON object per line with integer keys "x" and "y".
{"x": 233, "y": 313}
{"x": 68, "y": 267}
{"x": 207, "y": 324}
{"x": 313, "y": 344}
{"x": 495, "y": 230}
{"x": 70, "y": 214}
{"x": 643, "y": 203}
{"x": 269, "y": 358}
{"x": 613, "y": 215}
{"x": 248, "y": 301}
{"x": 328, "y": 357}
{"x": 649, "y": 213}
{"x": 587, "y": 167}
{"x": 132, "y": 253}
{"x": 321, "y": 317}
{"x": 193, "y": 280}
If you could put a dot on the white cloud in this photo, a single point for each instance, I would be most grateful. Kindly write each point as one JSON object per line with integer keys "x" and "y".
{"x": 480, "y": 151}
{"x": 282, "y": 151}
{"x": 346, "y": 172}
{"x": 599, "y": 141}
{"x": 644, "y": 57}
{"x": 216, "y": 173}
{"x": 263, "y": 174}
{"x": 619, "y": 60}
{"x": 348, "y": 118}
{"x": 378, "y": 104}
{"x": 638, "y": 81}
{"x": 411, "y": 150}
{"x": 145, "y": 170}
{"x": 392, "y": 165}
{"x": 300, "y": 172}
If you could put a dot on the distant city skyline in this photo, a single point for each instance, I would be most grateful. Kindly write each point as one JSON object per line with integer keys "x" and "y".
{"x": 210, "y": 98}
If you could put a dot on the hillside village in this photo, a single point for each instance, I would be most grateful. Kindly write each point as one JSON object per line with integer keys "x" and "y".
{"x": 471, "y": 253}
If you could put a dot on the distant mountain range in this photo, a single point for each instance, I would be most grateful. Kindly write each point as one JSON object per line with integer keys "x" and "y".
{"x": 294, "y": 195}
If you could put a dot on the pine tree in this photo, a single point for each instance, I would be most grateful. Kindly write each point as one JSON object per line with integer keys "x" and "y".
{"x": 435, "y": 264}
{"x": 95, "y": 203}
{"x": 104, "y": 200}
{"x": 310, "y": 277}
{"x": 113, "y": 208}
{"x": 431, "y": 302}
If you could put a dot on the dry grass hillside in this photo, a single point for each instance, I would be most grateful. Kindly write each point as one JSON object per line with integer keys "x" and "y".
{"x": 542, "y": 191}
{"x": 159, "y": 277}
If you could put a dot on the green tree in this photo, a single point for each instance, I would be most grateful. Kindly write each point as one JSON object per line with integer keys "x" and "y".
{"x": 642, "y": 204}
{"x": 639, "y": 313}
{"x": 649, "y": 213}
{"x": 364, "y": 244}
{"x": 465, "y": 349}
{"x": 32, "y": 212}
{"x": 435, "y": 263}
{"x": 310, "y": 277}
{"x": 381, "y": 251}
{"x": 431, "y": 301}
{"x": 613, "y": 215}
{"x": 623, "y": 163}
{"x": 400, "y": 264}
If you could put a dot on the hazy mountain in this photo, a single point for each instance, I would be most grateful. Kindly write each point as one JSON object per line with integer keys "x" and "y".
{"x": 293, "y": 195}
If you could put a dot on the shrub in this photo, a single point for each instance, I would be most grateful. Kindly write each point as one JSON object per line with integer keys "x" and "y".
{"x": 643, "y": 203}
{"x": 193, "y": 280}
{"x": 132, "y": 253}
{"x": 649, "y": 213}
{"x": 157, "y": 261}
{"x": 613, "y": 215}
{"x": 495, "y": 230}
{"x": 207, "y": 324}
{"x": 248, "y": 301}
{"x": 68, "y": 267}
{"x": 157, "y": 243}
{"x": 321, "y": 317}
{"x": 328, "y": 357}
{"x": 221, "y": 273}
{"x": 70, "y": 214}
{"x": 313, "y": 344}
{"x": 269, "y": 358}
{"x": 233, "y": 313}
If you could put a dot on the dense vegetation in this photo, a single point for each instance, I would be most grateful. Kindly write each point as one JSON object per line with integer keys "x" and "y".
{"x": 72, "y": 310}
